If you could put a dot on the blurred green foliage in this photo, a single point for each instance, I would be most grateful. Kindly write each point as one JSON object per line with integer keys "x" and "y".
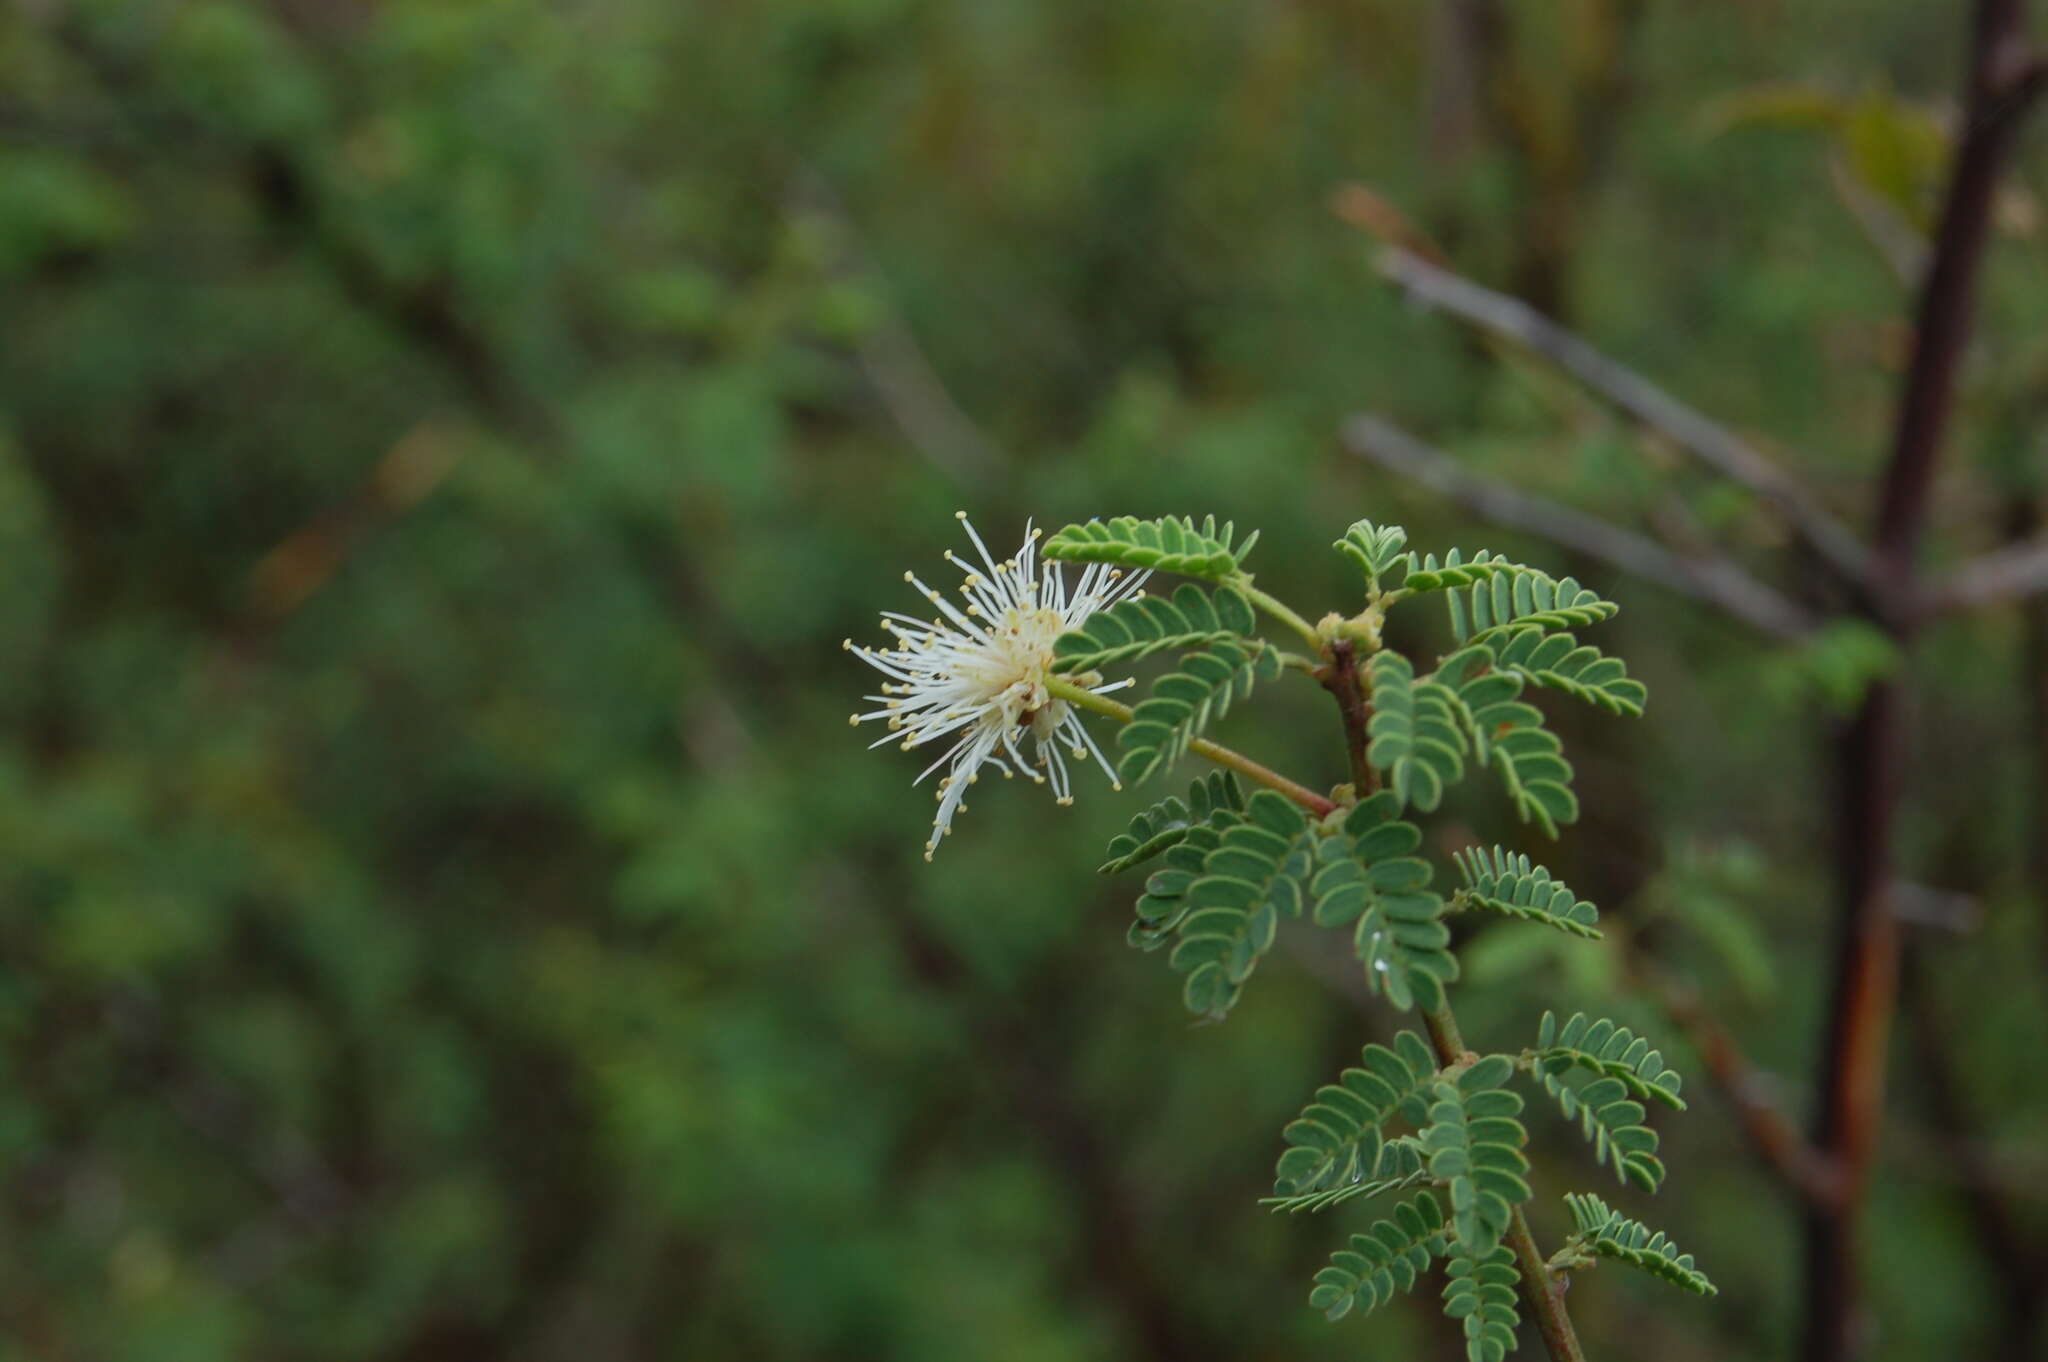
{"x": 443, "y": 443}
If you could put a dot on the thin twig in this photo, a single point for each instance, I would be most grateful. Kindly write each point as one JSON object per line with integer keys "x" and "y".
{"x": 1772, "y": 1134}
{"x": 1202, "y": 747}
{"x": 2011, "y": 573}
{"x": 1718, "y": 581}
{"x": 1707, "y": 440}
{"x": 891, "y": 358}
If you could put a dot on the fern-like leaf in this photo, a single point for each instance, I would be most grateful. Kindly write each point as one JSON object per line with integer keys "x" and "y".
{"x": 1507, "y": 734}
{"x": 1337, "y": 1138}
{"x": 1604, "y": 1232}
{"x": 1481, "y": 1296}
{"x": 1506, "y": 882}
{"x": 1560, "y": 662}
{"x": 1456, "y": 570}
{"x": 1400, "y": 1165}
{"x": 1513, "y": 594}
{"x": 1377, "y": 549}
{"x": 1252, "y": 879}
{"x": 1415, "y": 737}
{"x": 1166, "y": 823}
{"x": 1597, "y": 1096}
{"x": 1185, "y": 702}
{"x": 1369, "y": 877}
{"x": 1383, "y": 1262}
{"x": 1609, "y": 1051}
{"x": 1144, "y": 625}
{"x": 1475, "y": 1149}
{"x": 1168, "y": 544}
{"x": 1163, "y": 905}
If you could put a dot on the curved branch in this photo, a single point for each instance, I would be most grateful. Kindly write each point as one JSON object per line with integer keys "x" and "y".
{"x": 1710, "y": 442}
{"x": 1720, "y": 582}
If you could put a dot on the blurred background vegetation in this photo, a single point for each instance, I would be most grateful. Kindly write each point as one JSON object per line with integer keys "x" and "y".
{"x": 443, "y": 443}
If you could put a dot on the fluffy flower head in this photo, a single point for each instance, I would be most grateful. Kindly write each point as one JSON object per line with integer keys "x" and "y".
{"x": 976, "y": 675}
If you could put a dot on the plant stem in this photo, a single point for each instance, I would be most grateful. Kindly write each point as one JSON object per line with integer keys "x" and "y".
{"x": 2004, "y": 78}
{"x": 1541, "y": 1290}
{"x": 1202, "y": 747}
{"x": 1342, "y": 682}
{"x": 1279, "y": 611}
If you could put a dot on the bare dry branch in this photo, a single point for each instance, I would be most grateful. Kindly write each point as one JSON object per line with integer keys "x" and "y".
{"x": 892, "y": 360}
{"x": 1773, "y": 1135}
{"x": 1710, "y": 442}
{"x": 2010, "y": 573}
{"x": 1717, "y": 581}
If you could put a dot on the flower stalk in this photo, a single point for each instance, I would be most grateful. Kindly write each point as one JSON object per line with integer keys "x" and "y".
{"x": 1258, "y": 774}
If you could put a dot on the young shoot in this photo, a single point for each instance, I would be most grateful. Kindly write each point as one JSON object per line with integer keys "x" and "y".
{"x": 1426, "y": 1119}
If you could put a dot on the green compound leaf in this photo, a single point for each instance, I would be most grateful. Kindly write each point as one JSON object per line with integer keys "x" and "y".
{"x": 1163, "y": 906}
{"x": 1400, "y": 1165}
{"x": 1610, "y": 1051}
{"x": 1560, "y": 662}
{"x": 1368, "y": 877}
{"x": 1475, "y": 1145}
{"x": 1506, "y": 882}
{"x": 1166, "y": 823}
{"x": 1169, "y": 544}
{"x": 1184, "y": 703}
{"x": 1144, "y": 625}
{"x": 1512, "y": 594}
{"x": 1456, "y": 570}
{"x": 1481, "y": 1296}
{"x": 1377, "y": 549}
{"x": 1414, "y": 731}
{"x": 1593, "y": 1085}
{"x": 1249, "y": 881}
{"x": 1604, "y": 1232}
{"x": 1506, "y": 734}
{"x": 1383, "y": 1262}
{"x": 1337, "y": 1139}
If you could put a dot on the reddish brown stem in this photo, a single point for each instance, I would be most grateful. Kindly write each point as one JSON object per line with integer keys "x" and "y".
{"x": 1542, "y": 1291}
{"x": 1340, "y": 678}
{"x": 1772, "y": 1133}
{"x": 2002, "y": 80}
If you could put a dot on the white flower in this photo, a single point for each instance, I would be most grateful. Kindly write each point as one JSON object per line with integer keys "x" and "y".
{"x": 977, "y": 674}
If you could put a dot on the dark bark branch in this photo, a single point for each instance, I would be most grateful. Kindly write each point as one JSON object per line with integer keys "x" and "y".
{"x": 1708, "y": 441}
{"x": 2002, "y": 80}
{"x": 1717, "y": 581}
